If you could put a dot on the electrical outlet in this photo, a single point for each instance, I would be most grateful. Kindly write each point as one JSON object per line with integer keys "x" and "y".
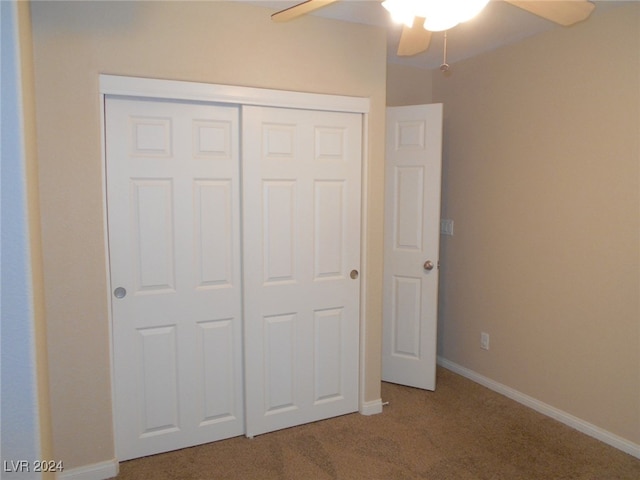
{"x": 484, "y": 341}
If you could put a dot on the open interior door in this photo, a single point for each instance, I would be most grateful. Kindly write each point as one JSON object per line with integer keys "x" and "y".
{"x": 412, "y": 239}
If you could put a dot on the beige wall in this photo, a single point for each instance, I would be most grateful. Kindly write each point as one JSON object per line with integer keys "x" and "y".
{"x": 542, "y": 179}
{"x": 408, "y": 85}
{"x": 210, "y": 42}
{"x": 35, "y": 235}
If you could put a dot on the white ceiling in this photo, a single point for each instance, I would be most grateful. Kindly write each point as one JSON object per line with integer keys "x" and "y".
{"x": 498, "y": 24}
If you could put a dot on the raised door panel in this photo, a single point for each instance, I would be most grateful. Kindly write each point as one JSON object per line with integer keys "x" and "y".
{"x": 328, "y": 346}
{"x": 279, "y": 363}
{"x": 408, "y": 212}
{"x": 213, "y": 234}
{"x": 216, "y": 386}
{"x": 153, "y": 231}
{"x": 405, "y": 320}
{"x": 157, "y": 374}
{"x": 329, "y": 227}
{"x": 279, "y": 231}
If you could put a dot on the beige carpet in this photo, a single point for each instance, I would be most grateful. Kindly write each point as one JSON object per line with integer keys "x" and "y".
{"x": 461, "y": 431}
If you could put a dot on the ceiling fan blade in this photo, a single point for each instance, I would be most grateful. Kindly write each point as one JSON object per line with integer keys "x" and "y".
{"x": 299, "y": 10}
{"x": 565, "y": 12}
{"x": 415, "y": 39}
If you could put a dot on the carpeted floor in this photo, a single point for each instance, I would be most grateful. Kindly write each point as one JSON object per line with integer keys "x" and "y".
{"x": 462, "y": 431}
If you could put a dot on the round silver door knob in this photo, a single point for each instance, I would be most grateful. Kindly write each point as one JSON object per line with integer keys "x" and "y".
{"x": 120, "y": 292}
{"x": 354, "y": 274}
{"x": 428, "y": 265}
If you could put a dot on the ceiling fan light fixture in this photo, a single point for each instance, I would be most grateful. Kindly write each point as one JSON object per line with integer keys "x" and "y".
{"x": 441, "y": 19}
{"x": 439, "y": 14}
{"x": 401, "y": 11}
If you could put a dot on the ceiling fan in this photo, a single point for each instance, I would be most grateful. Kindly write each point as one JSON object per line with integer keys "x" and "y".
{"x": 416, "y": 33}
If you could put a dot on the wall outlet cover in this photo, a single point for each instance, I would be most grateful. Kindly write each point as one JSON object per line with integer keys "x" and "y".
{"x": 484, "y": 341}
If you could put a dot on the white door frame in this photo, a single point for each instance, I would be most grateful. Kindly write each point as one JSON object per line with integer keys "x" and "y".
{"x": 225, "y": 94}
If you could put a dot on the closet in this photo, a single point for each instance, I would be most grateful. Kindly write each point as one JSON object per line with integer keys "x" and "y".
{"x": 234, "y": 238}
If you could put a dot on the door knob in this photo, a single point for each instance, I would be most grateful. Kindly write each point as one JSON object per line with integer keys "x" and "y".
{"x": 120, "y": 292}
{"x": 354, "y": 274}
{"x": 428, "y": 265}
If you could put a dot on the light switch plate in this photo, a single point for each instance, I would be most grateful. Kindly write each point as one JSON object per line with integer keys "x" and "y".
{"x": 446, "y": 227}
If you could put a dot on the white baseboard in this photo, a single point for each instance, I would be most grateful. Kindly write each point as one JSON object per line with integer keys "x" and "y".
{"x": 559, "y": 415}
{"x": 96, "y": 471}
{"x": 371, "y": 408}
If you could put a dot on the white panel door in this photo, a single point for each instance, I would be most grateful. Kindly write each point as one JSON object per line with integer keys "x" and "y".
{"x": 174, "y": 247}
{"x": 412, "y": 239}
{"x": 301, "y": 225}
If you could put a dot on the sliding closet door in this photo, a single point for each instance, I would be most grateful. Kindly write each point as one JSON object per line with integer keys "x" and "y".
{"x": 174, "y": 248}
{"x": 301, "y": 254}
